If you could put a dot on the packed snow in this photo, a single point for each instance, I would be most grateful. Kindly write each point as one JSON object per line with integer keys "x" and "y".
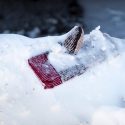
{"x": 96, "y": 97}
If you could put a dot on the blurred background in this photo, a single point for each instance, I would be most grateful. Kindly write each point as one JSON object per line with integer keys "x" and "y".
{"x": 35, "y": 18}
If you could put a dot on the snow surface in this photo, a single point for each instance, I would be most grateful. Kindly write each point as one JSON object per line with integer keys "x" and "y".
{"x": 94, "y": 98}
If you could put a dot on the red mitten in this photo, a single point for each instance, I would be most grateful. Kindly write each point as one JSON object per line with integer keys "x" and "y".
{"x": 47, "y": 73}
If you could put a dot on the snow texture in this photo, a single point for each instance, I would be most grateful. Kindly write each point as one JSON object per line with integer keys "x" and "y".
{"x": 94, "y": 98}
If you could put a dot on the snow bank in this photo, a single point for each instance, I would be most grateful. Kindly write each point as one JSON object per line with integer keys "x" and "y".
{"x": 109, "y": 116}
{"x": 94, "y": 98}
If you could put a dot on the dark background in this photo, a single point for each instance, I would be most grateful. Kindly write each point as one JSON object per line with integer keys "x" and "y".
{"x": 36, "y": 18}
{"x": 109, "y": 14}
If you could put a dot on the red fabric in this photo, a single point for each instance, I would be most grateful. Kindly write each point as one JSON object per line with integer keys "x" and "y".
{"x": 45, "y": 71}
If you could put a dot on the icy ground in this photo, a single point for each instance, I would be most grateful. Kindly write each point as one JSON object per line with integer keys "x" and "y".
{"x": 94, "y": 98}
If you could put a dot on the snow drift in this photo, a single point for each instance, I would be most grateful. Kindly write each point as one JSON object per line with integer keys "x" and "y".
{"x": 94, "y": 98}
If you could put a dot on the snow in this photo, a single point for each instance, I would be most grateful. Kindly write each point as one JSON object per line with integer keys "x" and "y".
{"x": 94, "y": 98}
{"x": 109, "y": 116}
{"x": 96, "y": 48}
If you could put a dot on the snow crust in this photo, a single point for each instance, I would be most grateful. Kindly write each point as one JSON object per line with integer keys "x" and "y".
{"x": 94, "y": 98}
